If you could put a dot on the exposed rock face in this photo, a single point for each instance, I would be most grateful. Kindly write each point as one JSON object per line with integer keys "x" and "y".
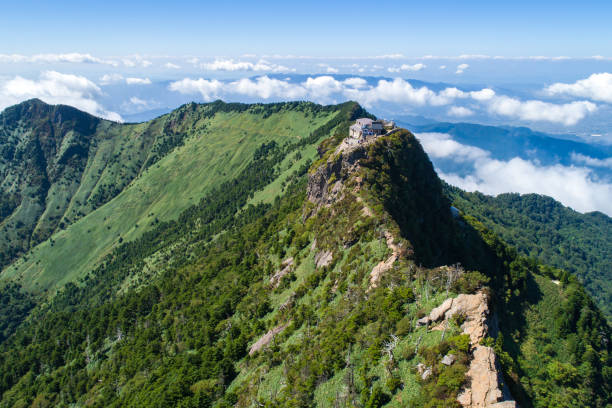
{"x": 486, "y": 388}
{"x": 266, "y": 338}
{"x": 322, "y": 259}
{"x": 475, "y": 309}
{"x": 384, "y": 266}
{"x": 286, "y": 267}
{"x": 325, "y": 185}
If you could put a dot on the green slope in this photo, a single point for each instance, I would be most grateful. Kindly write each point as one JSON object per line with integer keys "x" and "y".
{"x": 181, "y": 336}
{"x": 544, "y": 229}
{"x": 218, "y": 142}
{"x": 57, "y": 164}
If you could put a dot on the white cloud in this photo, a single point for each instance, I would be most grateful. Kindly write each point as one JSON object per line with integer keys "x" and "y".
{"x": 407, "y": 67}
{"x": 532, "y": 110}
{"x": 73, "y": 57}
{"x": 56, "y": 88}
{"x": 171, "y": 65}
{"x": 414, "y": 67}
{"x": 136, "y": 105}
{"x": 209, "y": 89}
{"x": 327, "y": 89}
{"x": 398, "y": 91}
{"x": 511, "y": 58}
{"x": 574, "y": 186}
{"x": 597, "y": 87}
{"x": 484, "y": 94}
{"x": 591, "y": 161}
{"x": 442, "y": 66}
{"x": 138, "y": 81}
{"x": 567, "y": 114}
{"x": 230, "y": 65}
{"x": 461, "y": 68}
{"x": 329, "y": 69}
{"x": 265, "y": 87}
{"x": 355, "y": 82}
{"x": 110, "y": 78}
{"x": 460, "y": 111}
{"x": 136, "y": 60}
{"x": 137, "y": 101}
{"x": 441, "y": 145}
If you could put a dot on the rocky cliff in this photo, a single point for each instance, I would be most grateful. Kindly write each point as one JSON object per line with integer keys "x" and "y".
{"x": 485, "y": 387}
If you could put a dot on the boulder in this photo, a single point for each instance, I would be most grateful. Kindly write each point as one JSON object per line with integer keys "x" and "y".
{"x": 448, "y": 359}
{"x": 474, "y": 307}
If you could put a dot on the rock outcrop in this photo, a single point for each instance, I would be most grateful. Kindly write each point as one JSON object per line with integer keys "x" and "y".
{"x": 474, "y": 308}
{"x": 266, "y": 338}
{"x": 286, "y": 267}
{"x": 384, "y": 266}
{"x": 323, "y": 258}
{"x": 326, "y": 184}
{"x": 486, "y": 387}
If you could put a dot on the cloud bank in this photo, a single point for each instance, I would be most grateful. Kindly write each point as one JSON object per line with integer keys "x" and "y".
{"x": 73, "y": 57}
{"x": 461, "y": 68}
{"x": 56, "y": 88}
{"x": 327, "y": 89}
{"x": 574, "y": 186}
{"x": 231, "y": 65}
{"x": 591, "y": 161}
{"x": 597, "y": 87}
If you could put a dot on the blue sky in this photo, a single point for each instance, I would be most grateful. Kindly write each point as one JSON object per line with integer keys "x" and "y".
{"x": 323, "y": 28}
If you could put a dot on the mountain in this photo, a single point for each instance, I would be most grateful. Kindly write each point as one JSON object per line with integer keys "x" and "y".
{"x": 542, "y": 228}
{"x": 59, "y": 164}
{"x": 144, "y": 174}
{"x": 316, "y": 273}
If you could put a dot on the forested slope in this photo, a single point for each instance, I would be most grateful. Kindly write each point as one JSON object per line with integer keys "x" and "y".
{"x": 308, "y": 299}
{"x": 544, "y": 229}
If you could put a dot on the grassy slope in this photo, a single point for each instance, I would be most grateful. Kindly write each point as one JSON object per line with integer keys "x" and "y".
{"x": 216, "y": 151}
{"x": 57, "y": 187}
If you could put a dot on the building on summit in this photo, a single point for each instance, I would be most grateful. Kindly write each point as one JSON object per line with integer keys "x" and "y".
{"x": 364, "y": 127}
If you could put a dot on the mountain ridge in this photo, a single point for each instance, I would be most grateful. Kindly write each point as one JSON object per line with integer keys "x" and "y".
{"x": 153, "y": 192}
{"x": 337, "y": 286}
